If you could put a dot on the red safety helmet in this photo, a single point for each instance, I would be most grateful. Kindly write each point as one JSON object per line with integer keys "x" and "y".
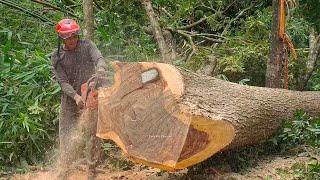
{"x": 67, "y": 28}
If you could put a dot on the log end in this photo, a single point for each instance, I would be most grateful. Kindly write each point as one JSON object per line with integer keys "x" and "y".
{"x": 147, "y": 122}
{"x": 204, "y": 138}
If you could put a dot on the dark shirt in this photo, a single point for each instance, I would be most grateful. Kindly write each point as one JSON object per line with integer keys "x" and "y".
{"x": 75, "y": 67}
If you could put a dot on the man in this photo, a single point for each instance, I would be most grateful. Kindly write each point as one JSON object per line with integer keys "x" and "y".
{"x": 73, "y": 64}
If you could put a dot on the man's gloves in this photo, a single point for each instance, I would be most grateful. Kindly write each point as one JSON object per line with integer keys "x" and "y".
{"x": 99, "y": 81}
{"x": 79, "y": 101}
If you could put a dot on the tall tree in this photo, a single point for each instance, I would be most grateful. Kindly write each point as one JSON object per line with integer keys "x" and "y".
{"x": 88, "y": 19}
{"x": 163, "y": 47}
{"x": 278, "y": 52}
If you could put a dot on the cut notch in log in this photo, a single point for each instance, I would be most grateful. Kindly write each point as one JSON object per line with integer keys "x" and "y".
{"x": 182, "y": 118}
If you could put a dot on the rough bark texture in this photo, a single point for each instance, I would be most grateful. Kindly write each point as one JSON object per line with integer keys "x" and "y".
{"x": 254, "y": 112}
{"x": 163, "y": 48}
{"x": 182, "y": 118}
{"x": 314, "y": 47}
{"x": 88, "y": 19}
{"x": 277, "y": 51}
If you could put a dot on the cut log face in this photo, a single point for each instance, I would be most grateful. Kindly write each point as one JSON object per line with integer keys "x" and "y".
{"x": 141, "y": 114}
{"x": 169, "y": 118}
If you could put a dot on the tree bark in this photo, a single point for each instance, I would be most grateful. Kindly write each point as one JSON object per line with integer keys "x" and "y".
{"x": 181, "y": 118}
{"x": 88, "y": 19}
{"x": 277, "y": 51}
{"x": 157, "y": 33}
{"x": 314, "y": 48}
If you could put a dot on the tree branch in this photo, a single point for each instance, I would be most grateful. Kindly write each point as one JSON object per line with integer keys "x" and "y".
{"x": 195, "y": 23}
{"x": 15, "y": 6}
{"x": 207, "y": 34}
{"x": 54, "y": 7}
{"x": 189, "y": 39}
{"x": 98, "y": 5}
{"x": 208, "y": 8}
{"x": 235, "y": 19}
{"x": 212, "y": 40}
{"x": 231, "y": 4}
{"x": 166, "y": 12}
{"x": 314, "y": 44}
{"x": 163, "y": 47}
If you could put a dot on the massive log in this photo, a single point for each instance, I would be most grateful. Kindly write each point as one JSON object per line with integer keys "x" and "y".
{"x": 182, "y": 118}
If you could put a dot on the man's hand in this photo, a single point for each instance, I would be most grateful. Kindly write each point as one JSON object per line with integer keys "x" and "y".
{"x": 79, "y": 101}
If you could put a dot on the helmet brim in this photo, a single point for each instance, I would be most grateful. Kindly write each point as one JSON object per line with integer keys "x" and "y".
{"x": 67, "y": 35}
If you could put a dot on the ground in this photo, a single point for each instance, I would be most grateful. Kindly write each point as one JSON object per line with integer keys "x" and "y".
{"x": 268, "y": 167}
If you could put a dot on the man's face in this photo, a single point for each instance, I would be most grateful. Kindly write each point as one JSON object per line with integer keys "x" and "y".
{"x": 71, "y": 42}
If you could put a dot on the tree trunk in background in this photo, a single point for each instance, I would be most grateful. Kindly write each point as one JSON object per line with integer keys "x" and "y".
{"x": 171, "y": 44}
{"x": 157, "y": 33}
{"x": 314, "y": 48}
{"x": 182, "y": 118}
{"x": 88, "y": 19}
{"x": 277, "y": 52}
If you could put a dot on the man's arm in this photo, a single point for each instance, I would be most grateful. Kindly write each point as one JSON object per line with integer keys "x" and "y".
{"x": 100, "y": 65}
{"x": 97, "y": 58}
{"x": 62, "y": 79}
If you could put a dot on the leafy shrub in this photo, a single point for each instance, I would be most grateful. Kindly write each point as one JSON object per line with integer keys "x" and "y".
{"x": 28, "y": 103}
{"x": 303, "y": 130}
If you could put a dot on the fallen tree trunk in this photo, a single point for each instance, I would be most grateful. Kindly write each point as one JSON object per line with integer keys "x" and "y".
{"x": 182, "y": 118}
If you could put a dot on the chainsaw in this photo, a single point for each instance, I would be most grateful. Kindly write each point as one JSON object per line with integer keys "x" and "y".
{"x": 89, "y": 93}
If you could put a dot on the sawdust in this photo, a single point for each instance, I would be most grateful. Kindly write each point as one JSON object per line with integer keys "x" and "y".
{"x": 267, "y": 168}
{"x": 76, "y": 147}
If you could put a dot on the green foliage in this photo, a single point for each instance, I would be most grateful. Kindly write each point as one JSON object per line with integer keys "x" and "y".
{"x": 303, "y": 130}
{"x": 309, "y": 10}
{"x": 301, "y": 171}
{"x": 246, "y": 52}
{"x": 29, "y": 96}
{"x": 120, "y": 31}
{"x": 314, "y": 83}
{"x": 28, "y": 102}
{"x": 198, "y": 60}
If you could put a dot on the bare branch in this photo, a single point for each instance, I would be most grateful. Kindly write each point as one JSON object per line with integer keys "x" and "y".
{"x": 211, "y": 39}
{"x": 166, "y": 12}
{"x": 195, "y": 23}
{"x": 208, "y": 34}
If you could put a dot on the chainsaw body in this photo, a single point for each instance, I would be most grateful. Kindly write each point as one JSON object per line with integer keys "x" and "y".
{"x": 89, "y": 95}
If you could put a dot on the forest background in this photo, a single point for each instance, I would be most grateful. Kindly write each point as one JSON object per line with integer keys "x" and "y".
{"x": 227, "y": 39}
